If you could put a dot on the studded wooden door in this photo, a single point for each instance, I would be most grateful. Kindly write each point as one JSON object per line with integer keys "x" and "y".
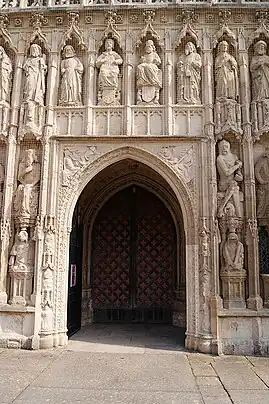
{"x": 133, "y": 259}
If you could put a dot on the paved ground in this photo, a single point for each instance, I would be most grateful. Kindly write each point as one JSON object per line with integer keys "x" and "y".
{"x": 123, "y": 364}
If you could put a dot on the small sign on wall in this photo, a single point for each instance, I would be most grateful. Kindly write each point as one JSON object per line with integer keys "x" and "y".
{"x": 73, "y": 275}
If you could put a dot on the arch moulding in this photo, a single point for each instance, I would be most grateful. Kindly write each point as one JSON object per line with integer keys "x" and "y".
{"x": 67, "y": 200}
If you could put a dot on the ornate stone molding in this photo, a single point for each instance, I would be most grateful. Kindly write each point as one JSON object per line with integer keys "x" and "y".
{"x": 149, "y": 16}
{"x": 188, "y": 18}
{"x": 4, "y": 20}
{"x": 111, "y": 18}
{"x": 73, "y": 31}
{"x": 224, "y": 29}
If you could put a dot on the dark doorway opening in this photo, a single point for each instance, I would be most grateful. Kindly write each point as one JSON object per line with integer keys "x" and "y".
{"x": 75, "y": 276}
{"x": 133, "y": 259}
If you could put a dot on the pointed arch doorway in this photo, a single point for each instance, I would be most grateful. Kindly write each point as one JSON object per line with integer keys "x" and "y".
{"x": 133, "y": 262}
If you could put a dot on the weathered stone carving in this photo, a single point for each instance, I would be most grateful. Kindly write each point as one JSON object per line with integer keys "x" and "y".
{"x": 108, "y": 80}
{"x": 35, "y": 69}
{"x": 189, "y": 76}
{"x": 259, "y": 68}
{"x": 262, "y": 177}
{"x": 5, "y": 89}
{"x": 71, "y": 83}
{"x": 229, "y": 169}
{"x": 149, "y": 76}
{"x": 227, "y": 109}
{"x": 233, "y": 275}
{"x": 183, "y": 160}
{"x": 5, "y": 70}
{"x": 226, "y": 71}
{"x": 75, "y": 160}
{"x": 26, "y": 196}
{"x": 20, "y": 270}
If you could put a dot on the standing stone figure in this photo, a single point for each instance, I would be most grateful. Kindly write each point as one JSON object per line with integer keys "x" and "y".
{"x": 19, "y": 270}
{"x": 149, "y": 76}
{"x": 259, "y": 68}
{"x": 226, "y": 73}
{"x": 71, "y": 72}
{"x": 35, "y": 69}
{"x": 108, "y": 80}
{"x": 262, "y": 177}
{"x": 229, "y": 175}
{"x": 189, "y": 76}
{"x": 5, "y": 76}
{"x": 26, "y": 197}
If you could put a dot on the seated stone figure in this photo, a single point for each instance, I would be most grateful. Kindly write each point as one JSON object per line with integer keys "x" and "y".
{"x": 149, "y": 76}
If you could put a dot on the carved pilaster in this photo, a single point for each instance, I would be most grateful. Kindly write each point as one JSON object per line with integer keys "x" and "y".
{"x": 128, "y": 68}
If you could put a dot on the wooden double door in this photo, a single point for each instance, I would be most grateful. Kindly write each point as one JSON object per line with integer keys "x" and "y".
{"x": 133, "y": 259}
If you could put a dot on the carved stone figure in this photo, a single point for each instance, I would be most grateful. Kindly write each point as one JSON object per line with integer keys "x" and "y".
{"x": 226, "y": 73}
{"x": 74, "y": 160}
{"x": 71, "y": 72}
{"x": 259, "y": 68}
{"x": 20, "y": 270}
{"x": 149, "y": 76}
{"x": 5, "y": 76}
{"x": 262, "y": 177}
{"x": 233, "y": 253}
{"x": 108, "y": 80}
{"x": 229, "y": 170}
{"x": 26, "y": 197}
{"x": 189, "y": 76}
{"x": 47, "y": 288}
{"x": 35, "y": 69}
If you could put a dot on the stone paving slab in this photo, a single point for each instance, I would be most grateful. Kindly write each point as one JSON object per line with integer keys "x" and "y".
{"x": 250, "y": 396}
{"x": 39, "y": 395}
{"x": 113, "y": 371}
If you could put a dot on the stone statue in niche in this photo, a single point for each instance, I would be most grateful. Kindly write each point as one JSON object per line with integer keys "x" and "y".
{"x": 227, "y": 109}
{"x": 229, "y": 170}
{"x": 20, "y": 270}
{"x": 71, "y": 83}
{"x": 5, "y": 71}
{"x": 149, "y": 76}
{"x": 226, "y": 73}
{"x": 262, "y": 177}
{"x": 5, "y": 89}
{"x": 189, "y": 76}
{"x": 259, "y": 68}
{"x": 108, "y": 80}
{"x": 47, "y": 288}
{"x": 35, "y": 69}
{"x": 233, "y": 254}
{"x": 26, "y": 197}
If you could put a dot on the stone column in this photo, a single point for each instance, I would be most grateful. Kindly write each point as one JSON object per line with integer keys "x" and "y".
{"x": 168, "y": 84}
{"x": 90, "y": 90}
{"x": 127, "y": 78}
{"x": 10, "y": 173}
{"x": 254, "y": 301}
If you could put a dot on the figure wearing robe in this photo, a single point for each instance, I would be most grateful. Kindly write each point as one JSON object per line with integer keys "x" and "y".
{"x": 189, "y": 76}
{"x": 71, "y": 84}
{"x": 226, "y": 74}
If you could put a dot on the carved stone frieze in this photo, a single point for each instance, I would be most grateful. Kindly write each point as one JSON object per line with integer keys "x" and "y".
{"x": 75, "y": 160}
{"x": 182, "y": 160}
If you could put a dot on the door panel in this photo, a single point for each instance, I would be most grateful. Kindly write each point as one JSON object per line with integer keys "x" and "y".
{"x": 133, "y": 258}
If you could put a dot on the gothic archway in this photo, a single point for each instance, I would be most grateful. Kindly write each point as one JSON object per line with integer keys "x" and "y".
{"x": 169, "y": 186}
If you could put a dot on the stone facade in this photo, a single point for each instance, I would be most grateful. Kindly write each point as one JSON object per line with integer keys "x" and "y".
{"x": 180, "y": 90}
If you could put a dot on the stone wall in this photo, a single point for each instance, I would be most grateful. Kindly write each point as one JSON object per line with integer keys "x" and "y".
{"x": 184, "y": 91}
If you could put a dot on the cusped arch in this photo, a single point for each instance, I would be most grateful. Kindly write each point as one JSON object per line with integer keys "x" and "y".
{"x": 167, "y": 172}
